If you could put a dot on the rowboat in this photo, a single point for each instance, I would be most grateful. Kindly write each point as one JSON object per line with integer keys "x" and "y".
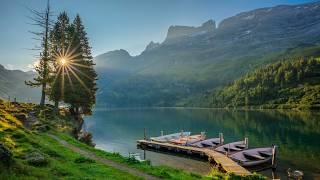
{"x": 232, "y": 147}
{"x": 168, "y": 137}
{"x": 209, "y": 143}
{"x": 254, "y": 157}
{"x": 186, "y": 140}
{"x": 212, "y": 142}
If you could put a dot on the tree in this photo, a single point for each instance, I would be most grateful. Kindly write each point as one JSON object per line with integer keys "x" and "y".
{"x": 73, "y": 79}
{"x": 84, "y": 75}
{"x": 60, "y": 38}
{"x": 42, "y": 19}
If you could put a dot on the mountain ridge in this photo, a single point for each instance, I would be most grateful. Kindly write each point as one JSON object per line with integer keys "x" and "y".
{"x": 202, "y": 61}
{"x": 12, "y": 84}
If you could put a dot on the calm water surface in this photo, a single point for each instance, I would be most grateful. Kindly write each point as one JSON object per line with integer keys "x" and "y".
{"x": 296, "y": 133}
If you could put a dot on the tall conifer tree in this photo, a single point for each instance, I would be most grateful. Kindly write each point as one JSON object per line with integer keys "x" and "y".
{"x": 83, "y": 71}
{"x": 60, "y": 41}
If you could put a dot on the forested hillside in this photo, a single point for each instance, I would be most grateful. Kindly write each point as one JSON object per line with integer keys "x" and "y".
{"x": 290, "y": 83}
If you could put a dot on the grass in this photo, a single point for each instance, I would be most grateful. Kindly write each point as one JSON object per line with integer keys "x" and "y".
{"x": 159, "y": 171}
{"x": 62, "y": 163}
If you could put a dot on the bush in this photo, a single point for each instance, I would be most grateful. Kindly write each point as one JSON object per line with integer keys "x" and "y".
{"x": 36, "y": 158}
{"x": 83, "y": 160}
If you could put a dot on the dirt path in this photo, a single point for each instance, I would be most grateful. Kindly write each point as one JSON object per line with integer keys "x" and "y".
{"x": 107, "y": 162}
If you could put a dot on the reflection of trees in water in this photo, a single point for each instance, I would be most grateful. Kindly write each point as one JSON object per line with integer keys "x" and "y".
{"x": 296, "y": 132}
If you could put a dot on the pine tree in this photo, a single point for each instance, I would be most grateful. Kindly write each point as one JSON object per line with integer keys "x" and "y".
{"x": 83, "y": 72}
{"x": 60, "y": 43}
{"x": 84, "y": 42}
{"x": 42, "y": 19}
{"x": 74, "y": 80}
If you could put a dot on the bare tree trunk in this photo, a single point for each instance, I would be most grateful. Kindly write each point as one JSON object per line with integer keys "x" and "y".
{"x": 77, "y": 114}
{"x": 42, "y": 20}
{"x": 46, "y": 55}
{"x": 43, "y": 95}
{"x": 56, "y": 107}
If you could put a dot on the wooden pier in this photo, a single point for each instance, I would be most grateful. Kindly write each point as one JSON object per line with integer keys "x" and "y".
{"x": 222, "y": 161}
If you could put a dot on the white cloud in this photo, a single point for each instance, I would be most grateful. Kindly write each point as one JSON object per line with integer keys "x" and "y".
{"x": 9, "y": 67}
{"x": 30, "y": 67}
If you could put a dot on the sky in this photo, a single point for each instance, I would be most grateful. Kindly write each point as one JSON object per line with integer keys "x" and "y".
{"x": 113, "y": 24}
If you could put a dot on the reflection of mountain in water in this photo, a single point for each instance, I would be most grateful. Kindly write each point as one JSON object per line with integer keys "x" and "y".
{"x": 297, "y": 133}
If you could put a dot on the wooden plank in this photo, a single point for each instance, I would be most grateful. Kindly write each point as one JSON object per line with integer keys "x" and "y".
{"x": 227, "y": 164}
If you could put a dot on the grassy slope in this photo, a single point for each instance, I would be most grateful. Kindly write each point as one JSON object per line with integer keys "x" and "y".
{"x": 62, "y": 162}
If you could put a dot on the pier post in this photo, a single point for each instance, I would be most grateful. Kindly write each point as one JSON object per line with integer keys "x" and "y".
{"x": 221, "y": 138}
{"x": 9, "y": 102}
{"x": 161, "y": 132}
{"x": 144, "y": 133}
{"x": 203, "y": 134}
{"x": 246, "y": 142}
{"x": 274, "y": 154}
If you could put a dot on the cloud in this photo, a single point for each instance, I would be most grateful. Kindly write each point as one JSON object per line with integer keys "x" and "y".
{"x": 33, "y": 65}
{"x": 9, "y": 67}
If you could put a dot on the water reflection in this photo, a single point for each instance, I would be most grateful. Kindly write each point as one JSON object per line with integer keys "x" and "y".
{"x": 296, "y": 133}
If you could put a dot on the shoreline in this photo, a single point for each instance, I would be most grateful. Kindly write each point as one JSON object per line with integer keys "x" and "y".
{"x": 203, "y": 108}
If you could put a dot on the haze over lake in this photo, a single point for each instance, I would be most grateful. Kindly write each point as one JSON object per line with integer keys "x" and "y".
{"x": 296, "y": 133}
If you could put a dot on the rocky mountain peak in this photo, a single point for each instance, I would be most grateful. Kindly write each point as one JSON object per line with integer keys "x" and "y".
{"x": 210, "y": 25}
{"x": 152, "y": 45}
{"x": 180, "y": 31}
{"x": 120, "y": 52}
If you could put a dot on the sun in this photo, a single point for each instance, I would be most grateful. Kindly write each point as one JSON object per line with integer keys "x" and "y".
{"x": 63, "y": 62}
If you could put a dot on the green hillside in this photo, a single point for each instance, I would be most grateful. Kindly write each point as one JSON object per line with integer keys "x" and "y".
{"x": 290, "y": 83}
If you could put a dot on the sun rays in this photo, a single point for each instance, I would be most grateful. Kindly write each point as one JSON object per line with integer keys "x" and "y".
{"x": 68, "y": 68}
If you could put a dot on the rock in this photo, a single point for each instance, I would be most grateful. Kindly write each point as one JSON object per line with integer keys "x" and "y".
{"x": 40, "y": 127}
{"x": 86, "y": 137}
{"x": 5, "y": 154}
{"x": 21, "y": 116}
{"x": 36, "y": 158}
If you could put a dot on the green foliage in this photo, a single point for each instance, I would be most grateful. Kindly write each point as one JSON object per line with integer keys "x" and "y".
{"x": 60, "y": 40}
{"x": 291, "y": 83}
{"x": 72, "y": 82}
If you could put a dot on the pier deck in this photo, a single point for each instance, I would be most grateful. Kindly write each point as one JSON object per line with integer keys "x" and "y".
{"x": 222, "y": 161}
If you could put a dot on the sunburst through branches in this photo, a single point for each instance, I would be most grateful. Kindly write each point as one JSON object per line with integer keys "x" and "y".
{"x": 67, "y": 65}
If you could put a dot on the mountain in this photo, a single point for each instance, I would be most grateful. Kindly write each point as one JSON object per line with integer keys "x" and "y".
{"x": 151, "y": 46}
{"x": 175, "y": 32}
{"x": 194, "y": 60}
{"x": 12, "y": 84}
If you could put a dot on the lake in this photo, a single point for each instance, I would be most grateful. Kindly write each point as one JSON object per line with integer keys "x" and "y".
{"x": 296, "y": 133}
